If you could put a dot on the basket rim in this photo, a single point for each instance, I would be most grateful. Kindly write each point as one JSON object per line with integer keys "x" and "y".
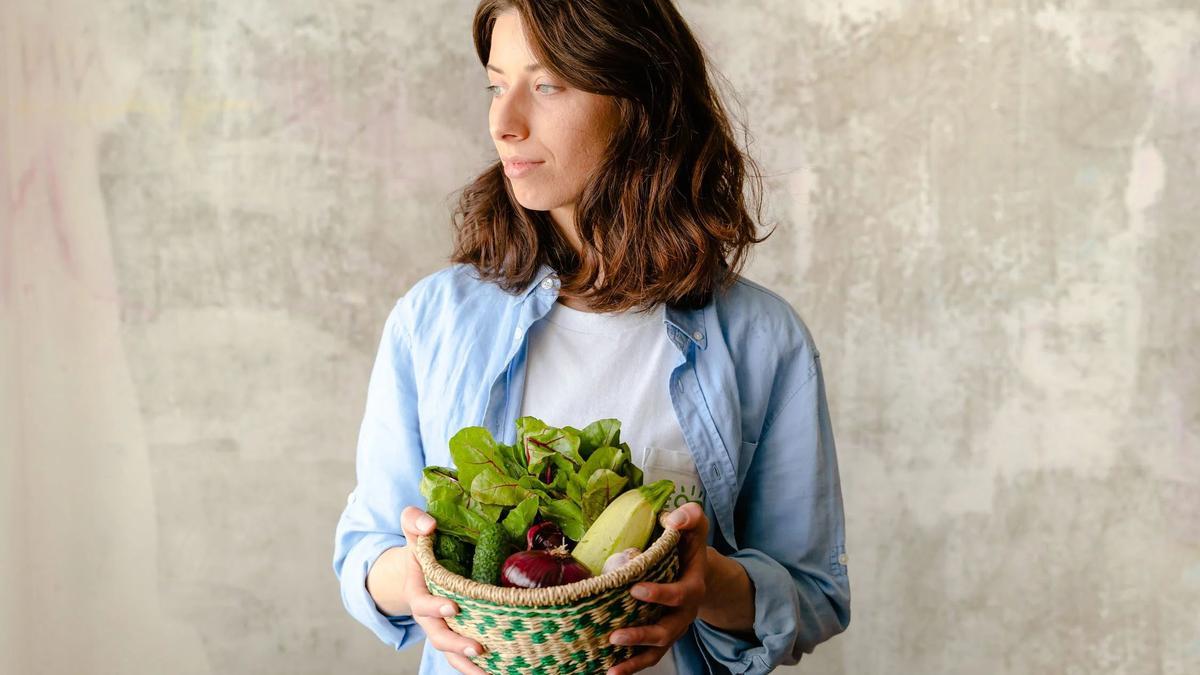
{"x": 566, "y": 594}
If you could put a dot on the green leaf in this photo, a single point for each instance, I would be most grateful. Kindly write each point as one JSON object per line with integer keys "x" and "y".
{"x": 629, "y": 469}
{"x": 599, "y": 434}
{"x": 536, "y": 438}
{"x": 514, "y": 460}
{"x": 473, "y": 450}
{"x": 493, "y": 487}
{"x": 534, "y": 485}
{"x": 602, "y": 488}
{"x": 567, "y": 515}
{"x": 438, "y": 477}
{"x": 603, "y": 458}
{"x": 520, "y": 518}
{"x": 454, "y": 493}
{"x": 454, "y": 518}
{"x": 575, "y": 491}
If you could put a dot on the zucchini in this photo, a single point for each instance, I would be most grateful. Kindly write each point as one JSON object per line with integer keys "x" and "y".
{"x": 627, "y": 522}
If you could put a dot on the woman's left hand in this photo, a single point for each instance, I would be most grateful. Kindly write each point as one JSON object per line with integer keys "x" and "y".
{"x": 683, "y": 597}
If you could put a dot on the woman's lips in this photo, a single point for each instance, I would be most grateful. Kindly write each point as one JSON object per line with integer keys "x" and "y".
{"x": 518, "y": 169}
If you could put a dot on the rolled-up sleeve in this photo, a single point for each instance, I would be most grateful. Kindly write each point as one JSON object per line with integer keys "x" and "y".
{"x": 790, "y": 530}
{"x": 388, "y": 468}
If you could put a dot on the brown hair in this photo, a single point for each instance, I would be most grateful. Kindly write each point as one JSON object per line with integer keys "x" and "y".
{"x": 663, "y": 213}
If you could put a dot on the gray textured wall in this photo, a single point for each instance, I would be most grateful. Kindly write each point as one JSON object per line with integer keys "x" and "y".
{"x": 989, "y": 218}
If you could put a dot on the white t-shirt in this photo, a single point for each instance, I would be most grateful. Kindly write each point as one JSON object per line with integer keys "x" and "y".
{"x": 585, "y": 366}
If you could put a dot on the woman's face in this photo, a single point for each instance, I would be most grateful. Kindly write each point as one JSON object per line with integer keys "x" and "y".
{"x": 535, "y": 116}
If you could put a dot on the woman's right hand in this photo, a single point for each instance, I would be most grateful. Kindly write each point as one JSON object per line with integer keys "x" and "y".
{"x": 398, "y": 587}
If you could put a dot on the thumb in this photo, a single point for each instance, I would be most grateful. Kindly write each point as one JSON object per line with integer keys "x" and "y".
{"x": 685, "y": 517}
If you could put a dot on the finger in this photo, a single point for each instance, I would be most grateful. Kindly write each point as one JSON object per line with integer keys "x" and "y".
{"x": 463, "y": 665}
{"x": 415, "y": 522}
{"x": 661, "y": 634}
{"x": 640, "y": 661}
{"x": 426, "y": 604}
{"x": 689, "y": 590}
{"x": 675, "y": 594}
{"x": 686, "y": 517}
{"x": 446, "y": 640}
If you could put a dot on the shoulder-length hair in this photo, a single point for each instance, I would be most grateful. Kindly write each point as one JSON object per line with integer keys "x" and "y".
{"x": 663, "y": 215}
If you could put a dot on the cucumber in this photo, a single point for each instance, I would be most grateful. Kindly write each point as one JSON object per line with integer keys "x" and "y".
{"x": 451, "y": 548}
{"x": 454, "y": 566}
{"x": 627, "y": 522}
{"x": 490, "y": 552}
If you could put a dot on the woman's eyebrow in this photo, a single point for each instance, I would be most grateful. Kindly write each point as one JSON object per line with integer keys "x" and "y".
{"x": 529, "y": 68}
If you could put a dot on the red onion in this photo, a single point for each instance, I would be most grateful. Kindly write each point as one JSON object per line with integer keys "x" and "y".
{"x": 544, "y": 536}
{"x": 539, "y": 569}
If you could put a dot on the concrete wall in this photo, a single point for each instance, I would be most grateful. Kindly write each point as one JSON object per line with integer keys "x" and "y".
{"x": 989, "y": 218}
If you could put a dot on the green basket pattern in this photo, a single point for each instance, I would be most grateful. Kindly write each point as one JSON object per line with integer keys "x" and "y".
{"x": 528, "y": 637}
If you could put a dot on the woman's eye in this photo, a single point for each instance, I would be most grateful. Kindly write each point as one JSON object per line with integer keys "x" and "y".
{"x": 494, "y": 87}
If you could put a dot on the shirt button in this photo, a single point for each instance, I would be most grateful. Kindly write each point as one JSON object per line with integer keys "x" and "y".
{"x": 547, "y": 284}
{"x": 698, "y": 335}
{"x": 842, "y": 559}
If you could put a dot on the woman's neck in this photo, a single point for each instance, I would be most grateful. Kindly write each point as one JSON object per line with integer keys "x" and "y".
{"x": 574, "y": 303}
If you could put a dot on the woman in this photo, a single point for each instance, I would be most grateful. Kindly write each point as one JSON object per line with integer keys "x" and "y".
{"x": 595, "y": 275}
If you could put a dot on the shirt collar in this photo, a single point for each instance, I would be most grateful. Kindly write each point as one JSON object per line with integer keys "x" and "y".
{"x": 544, "y": 272}
{"x": 689, "y": 322}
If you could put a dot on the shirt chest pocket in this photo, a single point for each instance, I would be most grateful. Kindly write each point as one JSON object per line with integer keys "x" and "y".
{"x": 676, "y": 465}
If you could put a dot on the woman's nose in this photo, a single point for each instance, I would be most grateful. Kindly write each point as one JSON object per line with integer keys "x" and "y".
{"x": 509, "y": 120}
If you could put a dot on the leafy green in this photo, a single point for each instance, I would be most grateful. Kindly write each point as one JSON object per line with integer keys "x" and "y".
{"x": 492, "y": 487}
{"x": 567, "y": 514}
{"x": 599, "y": 434}
{"x": 473, "y": 449}
{"x": 566, "y": 475}
{"x": 520, "y": 518}
{"x": 602, "y": 488}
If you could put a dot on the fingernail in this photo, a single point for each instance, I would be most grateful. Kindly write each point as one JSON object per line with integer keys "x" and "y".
{"x": 471, "y": 652}
{"x": 675, "y": 519}
{"x": 425, "y": 522}
{"x": 639, "y": 592}
{"x": 447, "y": 610}
{"x": 619, "y": 639}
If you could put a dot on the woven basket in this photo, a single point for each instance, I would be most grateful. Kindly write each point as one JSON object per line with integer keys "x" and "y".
{"x": 558, "y": 630}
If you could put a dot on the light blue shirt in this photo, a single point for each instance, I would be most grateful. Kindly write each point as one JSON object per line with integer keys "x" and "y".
{"x": 749, "y": 395}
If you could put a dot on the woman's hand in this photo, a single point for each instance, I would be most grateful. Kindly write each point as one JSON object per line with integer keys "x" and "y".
{"x": 683, "y": 598}
{"x": 398, "y": 586}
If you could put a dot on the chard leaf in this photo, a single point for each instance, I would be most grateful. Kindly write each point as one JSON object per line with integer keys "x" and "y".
{"x": 629, "y": 469}
{"x": 534, "y": 485}
{"x": 535, "y": 437}
{"x": 575, "y": 491}
{"x": 513, "y": 459}
{"x": 520, "y": 518}
{"x": 473, "y": 449}
{"x": 493, "y": 487}
{"x": 599, "y": 434}
{"x": 567, "y": 515}
{"x": 454, "y": 518}
{"x": 433, "y": 477}
{"x": 606, "y": 457}
{"x": 602, "y": 488}
{"x": 454, "y": 493}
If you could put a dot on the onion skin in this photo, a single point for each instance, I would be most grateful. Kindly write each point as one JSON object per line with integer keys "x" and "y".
{"x": 541, "y": 569}
{"x": 544, "y": 536}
